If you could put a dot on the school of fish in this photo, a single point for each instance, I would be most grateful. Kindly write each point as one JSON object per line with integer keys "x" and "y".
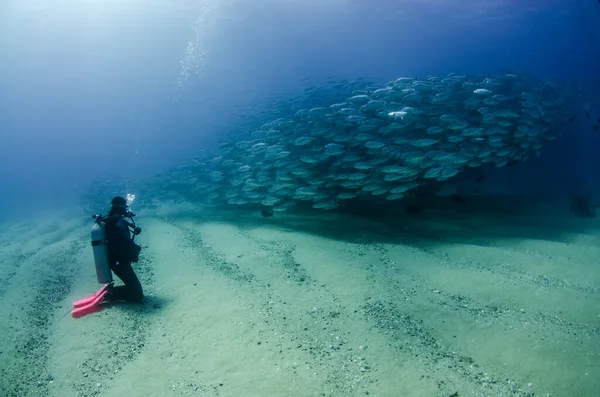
{"x": 353, "y": 140}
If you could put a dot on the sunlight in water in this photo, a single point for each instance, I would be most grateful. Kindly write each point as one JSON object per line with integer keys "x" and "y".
{"x": 195, "y": 55}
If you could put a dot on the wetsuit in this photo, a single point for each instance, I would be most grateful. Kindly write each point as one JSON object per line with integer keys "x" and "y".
{"x": 122, "y": 250}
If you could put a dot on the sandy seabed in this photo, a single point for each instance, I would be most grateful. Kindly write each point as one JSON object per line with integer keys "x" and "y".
{"x": 492, "y": 299}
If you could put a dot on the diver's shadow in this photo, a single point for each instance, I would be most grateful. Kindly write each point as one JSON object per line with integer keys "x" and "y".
{"x": 151, "y": 304}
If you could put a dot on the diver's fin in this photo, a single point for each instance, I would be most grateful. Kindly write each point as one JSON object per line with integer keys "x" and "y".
{"x": 91, "y": 304}
{"x": 89, "y": 299}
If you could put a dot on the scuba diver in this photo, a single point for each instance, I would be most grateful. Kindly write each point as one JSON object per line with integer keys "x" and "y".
{"x": 114, "y": 250}
{"x": 122, "y": 251}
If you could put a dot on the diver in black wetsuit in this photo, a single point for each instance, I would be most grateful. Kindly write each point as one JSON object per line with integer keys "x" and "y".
{"x": 122, "y": 251}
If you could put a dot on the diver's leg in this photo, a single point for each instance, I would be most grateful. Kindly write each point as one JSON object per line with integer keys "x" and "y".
{"x": 132, "y": 290}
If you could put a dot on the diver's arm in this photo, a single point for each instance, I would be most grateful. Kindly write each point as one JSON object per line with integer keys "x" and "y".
{"x": 124, "y": 232}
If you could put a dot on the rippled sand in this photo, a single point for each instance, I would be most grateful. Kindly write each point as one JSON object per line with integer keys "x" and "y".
{"x": 493, "y": 298}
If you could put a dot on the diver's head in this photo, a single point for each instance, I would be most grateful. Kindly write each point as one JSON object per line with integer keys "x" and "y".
{"x": 118, "y": 206}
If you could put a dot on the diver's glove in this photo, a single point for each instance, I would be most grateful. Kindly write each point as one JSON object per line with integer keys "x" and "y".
{"x": 137, "y": 230}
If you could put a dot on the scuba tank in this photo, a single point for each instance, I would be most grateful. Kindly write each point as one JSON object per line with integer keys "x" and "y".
{"x": 103, "y": 271}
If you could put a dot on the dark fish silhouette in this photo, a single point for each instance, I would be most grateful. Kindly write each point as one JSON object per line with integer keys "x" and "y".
{"x": 266, "y": 212}
{"x": 457, "y": 198}
{"x": 412, "y": 209}
{"x": 583, "y": 206}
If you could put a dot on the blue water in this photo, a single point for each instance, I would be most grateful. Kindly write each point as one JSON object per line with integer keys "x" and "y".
{"x": 92, "y": 90}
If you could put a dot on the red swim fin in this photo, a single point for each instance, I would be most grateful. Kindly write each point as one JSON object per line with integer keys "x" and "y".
{"x": 90, "y": 299}
{"x": 92, "y": 305}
